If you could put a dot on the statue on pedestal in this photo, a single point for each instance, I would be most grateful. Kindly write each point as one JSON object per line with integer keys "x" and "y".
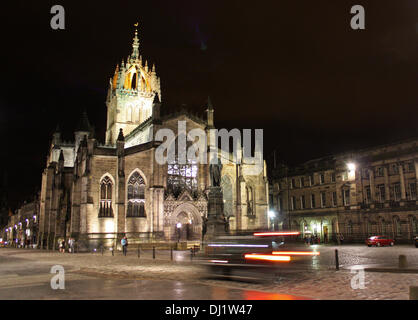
{"x": 215, "y": 174}
{"x": 215, "y": 224}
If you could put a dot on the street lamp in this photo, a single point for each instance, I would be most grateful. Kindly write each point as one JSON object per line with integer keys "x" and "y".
{"x": 351, "y": 166}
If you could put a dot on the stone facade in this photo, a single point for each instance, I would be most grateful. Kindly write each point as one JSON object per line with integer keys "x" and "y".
{"x": 358, "y": 194}
{"x": 97, "y": 193}
{"x": 22, "y": 227}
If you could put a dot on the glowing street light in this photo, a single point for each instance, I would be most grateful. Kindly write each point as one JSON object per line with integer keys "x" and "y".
{"x": 351, "y": 170}
{"x": 351, "y": 166}
{"x": 178, "y": 225}
{"x": 272, "y": 214}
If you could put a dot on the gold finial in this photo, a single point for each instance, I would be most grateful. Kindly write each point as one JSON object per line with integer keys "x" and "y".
{"x": 136, "y": 24}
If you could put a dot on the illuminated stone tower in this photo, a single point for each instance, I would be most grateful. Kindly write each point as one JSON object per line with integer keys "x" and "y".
{"x": 131, "y": 93}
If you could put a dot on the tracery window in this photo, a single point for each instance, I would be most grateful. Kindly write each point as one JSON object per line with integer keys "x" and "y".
{"x": 105, "y": 209}
{"x": 136, "y": 196}
{"x": 182, "y": 176}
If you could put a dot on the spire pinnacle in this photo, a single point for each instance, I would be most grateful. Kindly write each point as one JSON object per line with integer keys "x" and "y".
{"x": 209, "y": 104}
{"x": 135, "y": 44}
{"x": 120, "y": 136}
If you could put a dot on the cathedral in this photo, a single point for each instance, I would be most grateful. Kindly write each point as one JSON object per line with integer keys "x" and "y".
{"x": 98, "y": 192}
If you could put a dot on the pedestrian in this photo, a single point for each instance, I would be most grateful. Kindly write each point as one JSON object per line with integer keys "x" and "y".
{"x": 62, "y": 246}
{"x": 341, "y": 238}
{"x": 71, "y": 245}
{"x": 124, "y": 243}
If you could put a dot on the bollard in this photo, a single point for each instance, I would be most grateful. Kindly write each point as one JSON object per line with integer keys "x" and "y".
{"x": 101, "y": 248}
{"x": 113, "y": 251}
{"x": 139, "y": 253}
{"x": 171, "y": 253}
{"x": 337, "y": 263}
{"x": 413, "y": 293}
{"x": 403, "y": 263}
{"x": 153, "y": 252}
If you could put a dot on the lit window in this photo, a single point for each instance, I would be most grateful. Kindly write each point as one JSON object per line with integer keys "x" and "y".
{"x": 105, "y": 209}
{"x": 182, "y": 176}
{"x": 136, "y": 196}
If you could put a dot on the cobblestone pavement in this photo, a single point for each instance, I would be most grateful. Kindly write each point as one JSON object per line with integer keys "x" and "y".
{"x": 318, "y": 281}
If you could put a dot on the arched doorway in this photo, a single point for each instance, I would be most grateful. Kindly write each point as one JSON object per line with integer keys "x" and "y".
{"x": 186, "y": 223}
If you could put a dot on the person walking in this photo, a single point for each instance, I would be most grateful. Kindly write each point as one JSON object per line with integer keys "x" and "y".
{"x": 62, "y": 246}
{"x": 124, "y": 243}
{"x": 71, "y": 245}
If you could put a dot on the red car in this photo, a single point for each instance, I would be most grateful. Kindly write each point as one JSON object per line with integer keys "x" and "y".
{"x": 379, "y": 241}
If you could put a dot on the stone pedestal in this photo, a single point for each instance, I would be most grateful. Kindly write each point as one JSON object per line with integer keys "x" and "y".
{"x": 216, "y": 223}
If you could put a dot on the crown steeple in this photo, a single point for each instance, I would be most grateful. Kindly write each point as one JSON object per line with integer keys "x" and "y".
{"x": 132, "y": 90}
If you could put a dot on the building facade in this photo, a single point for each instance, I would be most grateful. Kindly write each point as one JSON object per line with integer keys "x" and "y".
{"x": 98, "y": 192}
{"x": 357, "y": 194}
{"x": 22, "y": 227}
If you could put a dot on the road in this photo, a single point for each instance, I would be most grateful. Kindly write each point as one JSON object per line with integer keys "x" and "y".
{"x": 24, "y": 279}
{"x": 25, "y": 274}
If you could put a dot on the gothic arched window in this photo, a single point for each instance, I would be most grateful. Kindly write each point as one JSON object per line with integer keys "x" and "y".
{"x": 105, "y": 209}
{"x": 136, "y": 196}
{"x": 180, "y": 175}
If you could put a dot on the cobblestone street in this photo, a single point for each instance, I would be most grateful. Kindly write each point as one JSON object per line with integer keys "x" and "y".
{"x": 316, "y": 281}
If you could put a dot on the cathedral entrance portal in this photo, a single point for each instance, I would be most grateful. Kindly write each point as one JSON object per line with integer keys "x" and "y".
{"x": 186, "y": 223}
{"x": 183, "y": 226}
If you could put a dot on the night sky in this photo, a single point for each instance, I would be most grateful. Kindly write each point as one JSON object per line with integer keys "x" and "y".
{"x": 294, "y": 68}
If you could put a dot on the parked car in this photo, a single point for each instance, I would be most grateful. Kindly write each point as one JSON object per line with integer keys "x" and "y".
{"x": 416, "y": 241}
{"x": 379, "y": 241}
